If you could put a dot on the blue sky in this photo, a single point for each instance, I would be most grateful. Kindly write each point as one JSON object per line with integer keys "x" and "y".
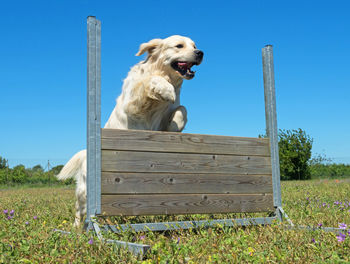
{"x": 43, "y": 69}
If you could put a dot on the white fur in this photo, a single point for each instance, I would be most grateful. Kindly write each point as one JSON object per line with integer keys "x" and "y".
{"x": 150, "y": 100}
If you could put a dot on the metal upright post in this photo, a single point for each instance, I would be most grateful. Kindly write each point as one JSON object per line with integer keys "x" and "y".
{"x": 271, "y": 123}
{"x": 93, "y": 119}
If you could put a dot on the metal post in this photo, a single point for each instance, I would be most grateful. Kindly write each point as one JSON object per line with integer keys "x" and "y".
{"x": 93, "y": 119}
{"x": 271, "y": 122}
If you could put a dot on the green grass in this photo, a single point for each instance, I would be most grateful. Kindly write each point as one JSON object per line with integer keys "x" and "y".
{"x": 28, "y": 237}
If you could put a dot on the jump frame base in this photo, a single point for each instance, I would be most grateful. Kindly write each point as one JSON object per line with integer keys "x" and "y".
{"x": 142, "y": 249}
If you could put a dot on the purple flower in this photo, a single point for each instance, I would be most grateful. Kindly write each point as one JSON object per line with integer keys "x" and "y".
{"x": 12, "y": 212}
{"x": 142, "y": 237}
{"x": 313, "y": 240}
{"x": 341, "y": 237}
{"x": 320, "y": 225}
{"x": 178, "y": 240}
{"x": 9, "y": 217}
{"x": 91, "y": 241}
{"x": 35, "y": 217}
{"x": 349, "y": 232}
{"x": 27, "y": 223}
{"x": 324, "y": 204}
{"x": 6, "y": 211}
{"x": 342, "y": 226}
{"x": 337, "y": 202}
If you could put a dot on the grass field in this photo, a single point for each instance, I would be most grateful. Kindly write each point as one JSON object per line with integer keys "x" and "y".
{"x": 29, "y": 215}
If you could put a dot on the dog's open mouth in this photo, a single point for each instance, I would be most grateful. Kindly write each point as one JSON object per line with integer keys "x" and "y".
{"x": 184, "y": 68}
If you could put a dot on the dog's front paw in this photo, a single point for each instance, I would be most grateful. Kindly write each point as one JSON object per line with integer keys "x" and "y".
{"x": 162, "y": 89}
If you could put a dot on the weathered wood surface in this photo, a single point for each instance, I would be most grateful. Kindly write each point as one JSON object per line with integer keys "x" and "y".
{"x": 152, "y": 172}
{"x": 158, "y": 141}
{"x": 185, "y": 204}
{"x": 167, "y": 183}
{"x": 132, "y": 161}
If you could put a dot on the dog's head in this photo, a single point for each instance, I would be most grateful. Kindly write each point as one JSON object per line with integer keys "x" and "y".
{"x": 175, "y": 55}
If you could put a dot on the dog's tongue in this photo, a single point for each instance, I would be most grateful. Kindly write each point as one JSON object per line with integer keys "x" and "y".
{"x": 182, "y": 64}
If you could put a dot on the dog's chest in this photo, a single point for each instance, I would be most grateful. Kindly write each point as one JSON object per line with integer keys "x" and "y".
{"x": 152, "y": 119}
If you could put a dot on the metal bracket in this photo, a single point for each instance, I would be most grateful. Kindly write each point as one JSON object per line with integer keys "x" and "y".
{"x": 282, "y": 214}
{"x": 136, "y": 249}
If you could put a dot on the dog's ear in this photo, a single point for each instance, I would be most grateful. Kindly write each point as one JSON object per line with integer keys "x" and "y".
{"x": 149, "y": 47}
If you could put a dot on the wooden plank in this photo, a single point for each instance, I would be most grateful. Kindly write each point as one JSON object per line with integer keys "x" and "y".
{"x": 185, "y": 204}
{"x": 158, "y": 141}
{"x": 128, "y": 161}
{"x": 196, "y": 183}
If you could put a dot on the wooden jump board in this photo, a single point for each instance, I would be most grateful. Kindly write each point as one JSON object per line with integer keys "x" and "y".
{"x": 153, "y": 172}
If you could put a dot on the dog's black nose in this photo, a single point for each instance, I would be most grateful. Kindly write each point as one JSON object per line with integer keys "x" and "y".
{"x": 199, "y": 53}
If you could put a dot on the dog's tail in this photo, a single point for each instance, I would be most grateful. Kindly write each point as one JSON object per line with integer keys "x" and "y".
{"x": 73, "y": 167}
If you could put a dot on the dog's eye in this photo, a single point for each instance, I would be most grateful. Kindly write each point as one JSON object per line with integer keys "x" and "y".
{"x": 180, "y": 46}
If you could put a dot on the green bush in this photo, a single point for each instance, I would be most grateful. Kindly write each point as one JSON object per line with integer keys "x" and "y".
{"x": 295, "y": 152}
{"x": 19, "y": 174}
{"x": 3, "y": 176}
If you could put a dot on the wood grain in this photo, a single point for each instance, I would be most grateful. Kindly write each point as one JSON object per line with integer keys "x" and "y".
{"x": 128, "y": 161}
{"x": 196, "y": 183}
{"x": 185, "y": 204}
{"x": 158, "y": 141}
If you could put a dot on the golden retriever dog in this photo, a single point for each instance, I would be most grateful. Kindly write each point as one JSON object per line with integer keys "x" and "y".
{"x": 150, "y": 100}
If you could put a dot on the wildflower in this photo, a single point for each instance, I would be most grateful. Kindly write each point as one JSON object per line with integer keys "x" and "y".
{"x": 320, "y": 225}
{"x": 142, "y": 237}
{"x": 337, "y": 203}
{"x": 35, "y": 217}
{"x": 12, "y": 212}
{"x": 313, "y": 240}
{"x": 349, "y": 232}
{"x": 9, "y": 217}
{"x": 251, "y": 251}
{"x": 91, "y": 241}
{"x": 342, "y": 226}
{"x": 27, "y": 223}
{"x": 324, "y": 204}
{"x": 341, "y": 237}
{"x": 178, "y": 240}
{"x": 6, "y": 211}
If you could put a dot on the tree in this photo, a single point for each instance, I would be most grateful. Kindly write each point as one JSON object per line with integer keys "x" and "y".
{"x": 56, "y": 170}
{"x": 295, "y": 152}
{"x": 38, "y": 168}
{"x": 3, "y": 163}
{"x": 19, "y": 174}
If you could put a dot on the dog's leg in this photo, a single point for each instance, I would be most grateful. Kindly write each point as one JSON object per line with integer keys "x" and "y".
{"x": 80, "y": 194}
{"x": 178, "y": 119}
{"x": 80, "y": 211}
{"x": 161, "y": 89}
{"x": 78, "y": 216}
